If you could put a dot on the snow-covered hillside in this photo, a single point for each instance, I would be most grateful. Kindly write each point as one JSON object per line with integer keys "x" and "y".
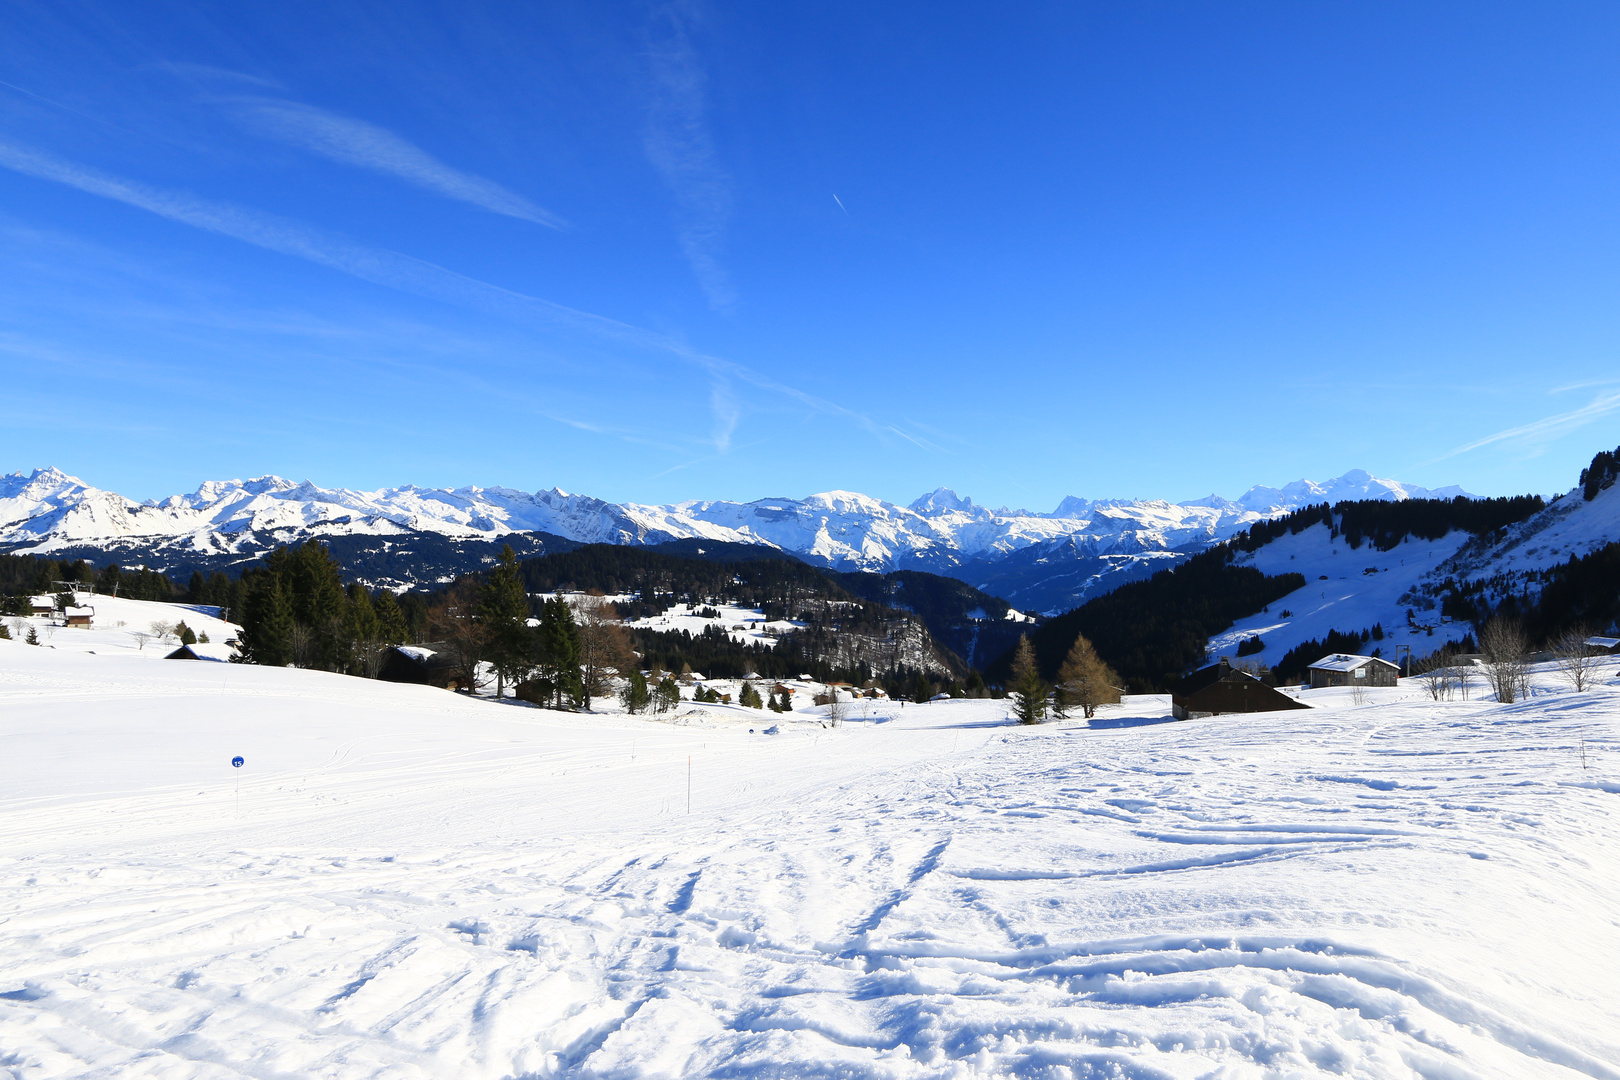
{"x": 401, "y": 882}
{"x": 120, "y": 626}
{"x": 47, "y": 512}
{"x": 1350, "y": 590}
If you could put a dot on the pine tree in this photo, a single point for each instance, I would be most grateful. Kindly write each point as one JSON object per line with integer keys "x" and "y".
{"x": 557, "y": 652}
{"x": 1084, "y": 681}
{"x": 315, "y": 597}
{"x": 635, "y": 694}
{"x": 921, "y": 688}
{"x": 390, "y": 619}
{"x": 194, "y": 590}
{"x": 5, "y": 632}
{"x": 667, "y": 695}
{"x": 33, "y": 635}
{"x": 186, "y": 634}
{"x": 267, "y": 624}
{"x": 1026, "y": 682}
{"x": 750, "y": 697}
{"x": 504, "y": 606}
{"x": 364, "y": 632}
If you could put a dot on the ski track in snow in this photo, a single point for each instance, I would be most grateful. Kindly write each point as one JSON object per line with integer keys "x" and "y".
{"x": 417, "y": 885}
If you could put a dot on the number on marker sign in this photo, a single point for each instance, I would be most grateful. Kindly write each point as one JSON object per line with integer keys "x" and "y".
{"x": 238, "y": 761}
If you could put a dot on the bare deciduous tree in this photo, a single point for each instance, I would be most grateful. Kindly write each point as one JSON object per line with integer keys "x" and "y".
{"x": 141, "y": 638}
{"x": 303, "y": 644}
{"x": 1577, "y": 662}
{"x": 604, "y": 644}
{"x": 1503, "y": 643}
{"x": 466, "y": 637}
{"x": 369, "y": 655}
{"x": 836, "y": 708}
{"x": 1436, "y": 673}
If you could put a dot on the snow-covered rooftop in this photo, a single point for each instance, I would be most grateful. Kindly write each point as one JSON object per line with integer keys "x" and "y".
{"x": 1346, "y": 662}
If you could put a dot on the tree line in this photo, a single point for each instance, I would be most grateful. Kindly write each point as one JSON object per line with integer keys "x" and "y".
{"x": 22, "y": 576}
{"x": 1385, "y": 523}
{"x": 1151, "y": 631}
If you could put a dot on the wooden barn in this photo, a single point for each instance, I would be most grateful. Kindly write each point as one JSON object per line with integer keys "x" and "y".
{"x": 1603, "y": 646}
{"x": 422, "y": 664}
{"x": 78, "y": 616}
{"x": 1342, "y": 669}
{"x": 1222, "y": 688}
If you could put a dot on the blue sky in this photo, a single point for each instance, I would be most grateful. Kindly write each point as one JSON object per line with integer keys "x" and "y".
{"x": 655, "y": 252}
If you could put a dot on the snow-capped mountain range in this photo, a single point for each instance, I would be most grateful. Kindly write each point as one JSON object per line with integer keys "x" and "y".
{"x": 48, "y": 512}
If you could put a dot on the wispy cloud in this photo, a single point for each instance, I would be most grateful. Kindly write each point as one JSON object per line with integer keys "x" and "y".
{"x": 1587, "y": 385}
{"x": 208, "y": 73}
{"x": 1545, "y": 429}
{"x": 422, "y": 278}
{"x": 356, "y": 142}
{"x": 681, "y": 147}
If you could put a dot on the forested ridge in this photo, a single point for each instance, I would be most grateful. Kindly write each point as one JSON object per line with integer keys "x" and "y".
{"x": 1152, "y": 631}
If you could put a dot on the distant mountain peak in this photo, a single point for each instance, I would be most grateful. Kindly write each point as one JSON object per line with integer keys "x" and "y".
{"x": 942, "y": 500}
{"x": 1072, "y": 506}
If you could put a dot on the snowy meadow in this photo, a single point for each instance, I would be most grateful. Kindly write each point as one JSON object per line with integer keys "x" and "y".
{"x": 403, "y": 882}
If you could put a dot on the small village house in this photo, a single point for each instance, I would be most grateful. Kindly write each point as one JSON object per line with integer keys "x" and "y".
{"x": 1342, "y": 669}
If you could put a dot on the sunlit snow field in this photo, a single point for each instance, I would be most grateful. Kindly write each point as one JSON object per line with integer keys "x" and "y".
{"x": 401, "y": 882}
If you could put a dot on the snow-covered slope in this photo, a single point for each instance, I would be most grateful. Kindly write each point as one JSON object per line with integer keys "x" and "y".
{"x": 1352, "y": 589}
{"x": 49, "y": 511}
{"x": 402, "y": 882}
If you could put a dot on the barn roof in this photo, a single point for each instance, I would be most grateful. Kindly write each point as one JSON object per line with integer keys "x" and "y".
{"x": 1346, "y": 662}
{"x": 1210, "y": 676}
{"x": 1603, "y": 642}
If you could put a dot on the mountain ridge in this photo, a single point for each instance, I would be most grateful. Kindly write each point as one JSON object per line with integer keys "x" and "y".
{"x": 48, "y": 510}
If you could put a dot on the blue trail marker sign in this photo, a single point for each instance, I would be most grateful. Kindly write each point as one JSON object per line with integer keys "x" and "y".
{"x": 238, "y": 761}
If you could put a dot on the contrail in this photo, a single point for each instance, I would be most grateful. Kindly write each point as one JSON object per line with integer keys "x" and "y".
{"x": 840, "y": 203}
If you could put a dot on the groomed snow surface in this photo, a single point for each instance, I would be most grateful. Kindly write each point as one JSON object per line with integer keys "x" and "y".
{"x": 402, "y": 883}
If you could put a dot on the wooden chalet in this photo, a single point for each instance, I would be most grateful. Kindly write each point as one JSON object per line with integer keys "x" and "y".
{"x": 184, "y": 652}
{"x": 1343, "y": 669}
{"x": 424, "y": 665}
{"x": 78, "y": 616}
{"x": 1222, "y": 688}
{"x": 1602, "y": 646}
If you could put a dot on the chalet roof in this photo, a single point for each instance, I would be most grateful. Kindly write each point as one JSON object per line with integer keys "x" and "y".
{"x": 431, "y": 655}
{"x": 1603, "y": 642}
{"x": 183, "y": 653}
{"x": 1347, "y": 662}
{"x": 1210, "y": 676}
